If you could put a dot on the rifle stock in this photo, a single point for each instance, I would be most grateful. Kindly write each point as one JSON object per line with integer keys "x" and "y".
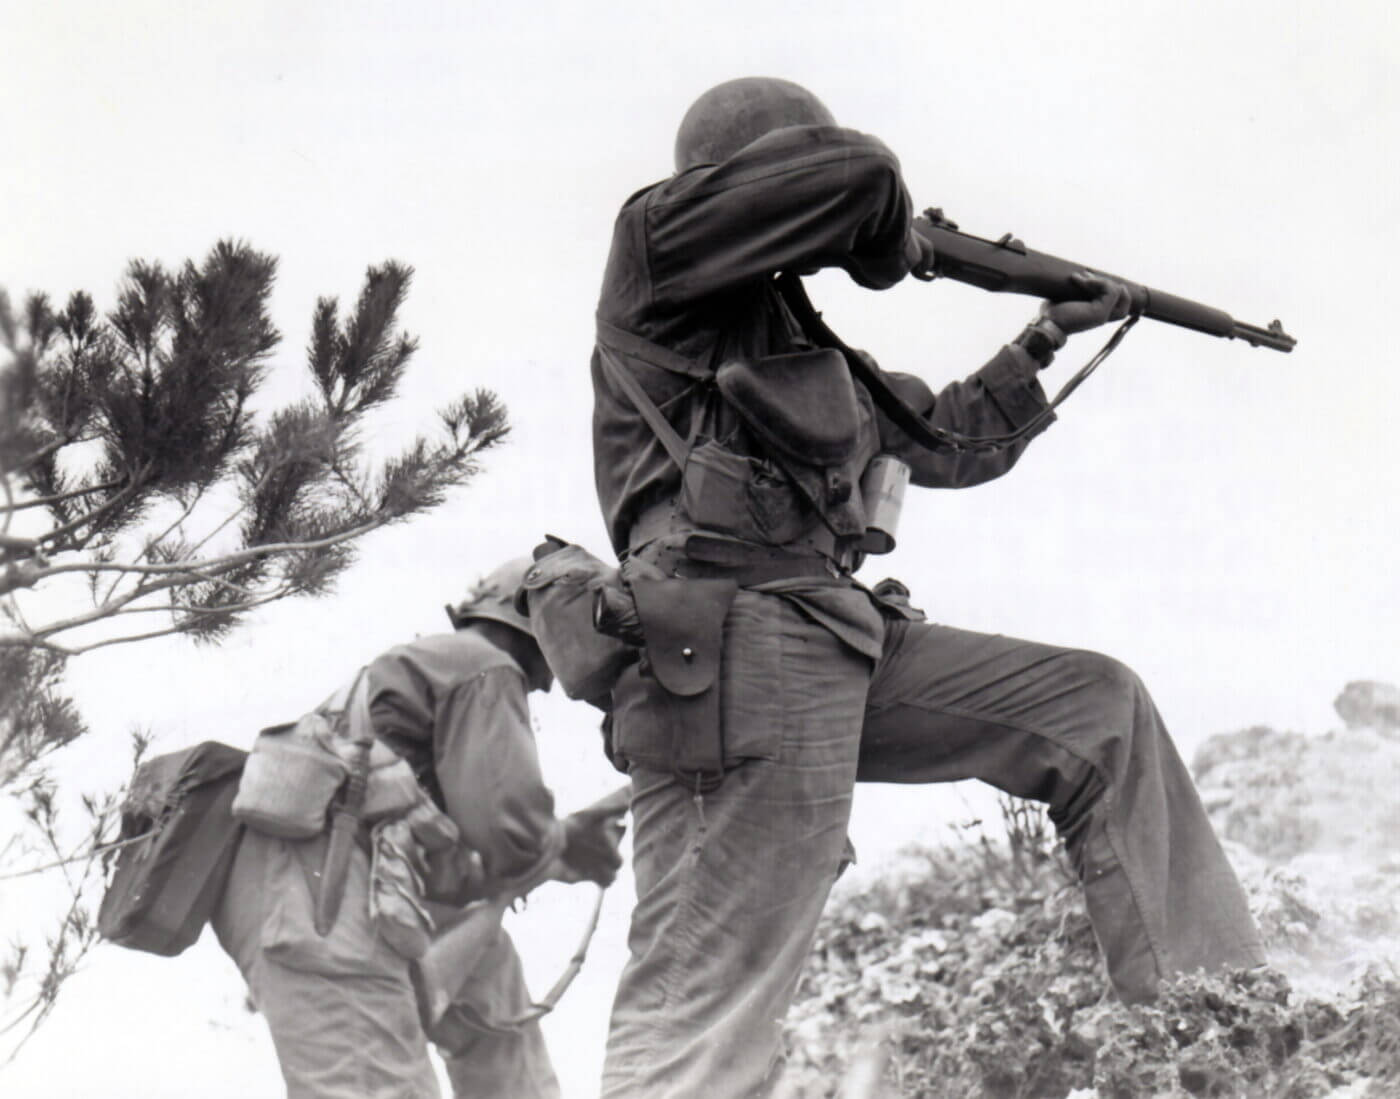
{"x": 1007, "y": 265}
{"x": 465, "y": 934}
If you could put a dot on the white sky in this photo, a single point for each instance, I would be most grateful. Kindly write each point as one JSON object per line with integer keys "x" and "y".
{"x": 1222, "y": 518}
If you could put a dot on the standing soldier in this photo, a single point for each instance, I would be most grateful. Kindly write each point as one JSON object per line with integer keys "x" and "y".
{"x": 738, "y": 468}
{"x": 340, "y": 999}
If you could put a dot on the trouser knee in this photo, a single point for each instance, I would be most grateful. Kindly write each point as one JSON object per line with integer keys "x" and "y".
{"x": 1115, "y": 711}
{"x": 1106, "y": 683}
{"x": 1110, "y": 723}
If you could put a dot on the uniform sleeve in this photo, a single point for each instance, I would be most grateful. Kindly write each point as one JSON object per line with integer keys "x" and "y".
{"x": 800, "y": 198}
{"x": 1000, "y": 398}
{"x": 489, "y": 772}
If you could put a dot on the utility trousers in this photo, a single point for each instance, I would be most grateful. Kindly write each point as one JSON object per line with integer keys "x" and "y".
{"x": 341, "y": 1008}
{"x": 731, "y": 883}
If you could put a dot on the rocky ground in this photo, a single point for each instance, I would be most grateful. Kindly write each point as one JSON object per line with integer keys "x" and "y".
{"x": 971, "y": 970}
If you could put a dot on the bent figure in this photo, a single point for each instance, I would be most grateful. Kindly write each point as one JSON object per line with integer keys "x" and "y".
{"x": 342, "y": 1008}
{"x": 731, "y": 452}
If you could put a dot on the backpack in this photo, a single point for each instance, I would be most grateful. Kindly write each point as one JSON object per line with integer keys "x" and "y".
{"x": 177, "y": 844}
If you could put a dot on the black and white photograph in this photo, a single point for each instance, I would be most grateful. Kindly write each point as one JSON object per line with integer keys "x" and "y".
{"x": 632, "y": 551}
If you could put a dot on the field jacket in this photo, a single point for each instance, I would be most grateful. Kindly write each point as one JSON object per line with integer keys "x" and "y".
{"x": 689, "y": 283}
{"x": 455, "y": 707}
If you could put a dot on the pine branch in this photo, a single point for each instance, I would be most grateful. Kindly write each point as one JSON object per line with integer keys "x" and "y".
{"x": 22, "y": 466}
{"x": 92, "y": 519}
{"x": 359, "y": 364}
{"x": 222, "y": 525}
{"x": 126, "y": 639}
{"x": 46, "y": 501}
{"x": 79, "y": 855}
{"x": 112, "y": 606}
{"x": 34, "y": 718}
{"x": 176, "y": 607}
{"x": 154, "y": 545}
{"x": 195, "y": 572}
{"x": 162, "y": 385}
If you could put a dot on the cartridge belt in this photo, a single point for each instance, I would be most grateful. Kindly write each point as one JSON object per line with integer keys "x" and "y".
{"x": 704, "y": 555}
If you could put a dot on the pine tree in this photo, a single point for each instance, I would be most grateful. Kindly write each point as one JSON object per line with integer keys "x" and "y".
{"x": 143, "y": 497}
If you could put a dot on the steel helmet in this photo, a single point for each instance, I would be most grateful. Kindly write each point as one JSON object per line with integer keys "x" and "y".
{"x": 737, "y": 112}
{"x": 494, "y": 598}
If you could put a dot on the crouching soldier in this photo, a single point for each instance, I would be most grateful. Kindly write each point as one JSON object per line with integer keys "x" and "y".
{"x": 428, "y": 765}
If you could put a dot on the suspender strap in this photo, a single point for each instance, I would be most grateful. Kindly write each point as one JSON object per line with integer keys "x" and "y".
{"x": 624, "y": 379}
{"x": 629, "y": 343}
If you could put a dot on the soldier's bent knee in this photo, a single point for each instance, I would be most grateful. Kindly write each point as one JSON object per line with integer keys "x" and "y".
{"x": 1106, "y": 678}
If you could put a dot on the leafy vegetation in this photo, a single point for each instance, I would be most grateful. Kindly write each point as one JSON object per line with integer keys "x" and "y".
{"x": 971, "y": 969}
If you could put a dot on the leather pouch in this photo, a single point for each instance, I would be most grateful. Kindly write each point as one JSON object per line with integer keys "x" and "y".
{"x": 714, "y": 489}
{"x": 802, "y": 404}
{"x": 684, "y": 625}
{"x": 744, "y": 497}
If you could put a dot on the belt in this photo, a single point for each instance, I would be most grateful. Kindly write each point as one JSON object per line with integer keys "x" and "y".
{"x": 704, "y": 555}
{"x": 675, "y": 562}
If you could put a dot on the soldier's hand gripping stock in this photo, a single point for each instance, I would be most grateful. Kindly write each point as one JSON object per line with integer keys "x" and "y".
{"x": 1104, "y": 300}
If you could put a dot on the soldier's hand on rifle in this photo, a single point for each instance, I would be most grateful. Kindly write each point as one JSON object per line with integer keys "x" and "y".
{"x": 1105, "y": 300}
{"x": 591, "y": 843}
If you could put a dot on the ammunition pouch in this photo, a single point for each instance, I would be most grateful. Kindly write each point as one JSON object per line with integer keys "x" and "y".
{"x": 741, "y": 496}
{"x": 803, "y": 409}
{"x": 683, "y": 621}
{"x": 802, "y": 404}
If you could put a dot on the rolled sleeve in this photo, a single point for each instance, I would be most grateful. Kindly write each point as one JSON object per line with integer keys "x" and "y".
{"x": 1012, "y": 383}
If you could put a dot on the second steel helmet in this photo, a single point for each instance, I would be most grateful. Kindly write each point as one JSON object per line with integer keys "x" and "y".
{"x": 494, "y": 597}
{"x": 733, "y": 114}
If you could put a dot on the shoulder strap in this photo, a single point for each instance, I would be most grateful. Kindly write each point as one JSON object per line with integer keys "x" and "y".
{"x": 361, "y": 727}
{"x": 633, "y": 344}
{"x": 348, "y": 709}
{"x": 623, "y": 378}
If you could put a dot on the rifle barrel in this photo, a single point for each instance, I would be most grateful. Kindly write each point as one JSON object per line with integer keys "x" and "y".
{"x": 1008, "y": 266}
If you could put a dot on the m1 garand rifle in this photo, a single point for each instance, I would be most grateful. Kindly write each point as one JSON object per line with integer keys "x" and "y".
{"x": 1007, "y": 265}
{"x": 444, "y": 974}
